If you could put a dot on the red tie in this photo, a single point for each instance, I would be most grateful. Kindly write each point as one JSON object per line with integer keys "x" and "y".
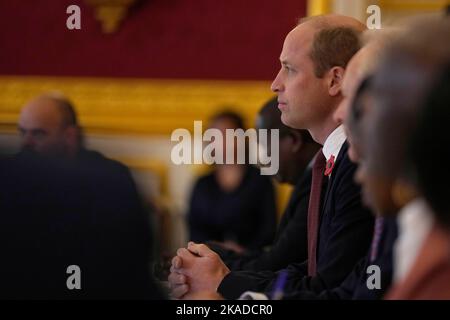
{"x": 313, "y": 210}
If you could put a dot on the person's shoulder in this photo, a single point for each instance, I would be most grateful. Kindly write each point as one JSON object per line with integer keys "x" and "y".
{"x": 343, "y": 164}
{"x": 96, "y": 158}
{"x": 91, "y": 155}
{"x": 342, "y": 178}
{"x": 434, "y": 282}
{"x": 205, "y": 181}
{"x": 95, "y": 163}
{"x": 255, "y": 174}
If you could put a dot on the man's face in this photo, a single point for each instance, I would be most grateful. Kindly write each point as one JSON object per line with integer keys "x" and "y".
{"x": 340, "y": 115}
{"x": 349, "y": 85}
{"x": 376, "y": 189}
{"x": 300, "y": 93}
{"x": 41, "y": 129}
{"x": 355, "y": 132}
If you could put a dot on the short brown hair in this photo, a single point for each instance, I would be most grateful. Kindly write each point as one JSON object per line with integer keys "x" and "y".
{"x": 333, "y": 46}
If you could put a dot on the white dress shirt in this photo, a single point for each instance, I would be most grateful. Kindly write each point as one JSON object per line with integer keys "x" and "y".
{"x": 415, "y": 221}
{"x": 334, "y": 142}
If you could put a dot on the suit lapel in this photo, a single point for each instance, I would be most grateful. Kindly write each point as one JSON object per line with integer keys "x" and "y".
{"x": 332, "y": 179}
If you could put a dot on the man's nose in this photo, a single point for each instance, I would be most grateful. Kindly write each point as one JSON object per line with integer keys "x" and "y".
{"x": 276, "y": 84}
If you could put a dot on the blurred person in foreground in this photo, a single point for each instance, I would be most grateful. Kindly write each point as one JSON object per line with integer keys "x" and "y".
{"x": 410, "y": 105}
{"x": 63, "y": 205}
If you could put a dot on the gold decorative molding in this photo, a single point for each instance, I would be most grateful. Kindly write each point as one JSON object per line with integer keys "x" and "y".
{"x": 142, "y": 106}
{"x": 391, "y": 10}
{"x": 318, "y": 7}
{"x": 110, "y": 12}
{"x": 413, "y": 5}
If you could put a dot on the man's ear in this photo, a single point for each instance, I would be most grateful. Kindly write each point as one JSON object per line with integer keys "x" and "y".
{"x": 335, "y": 78}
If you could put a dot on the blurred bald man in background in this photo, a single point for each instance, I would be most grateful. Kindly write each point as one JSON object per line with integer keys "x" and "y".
{"x": 63, "y": 205}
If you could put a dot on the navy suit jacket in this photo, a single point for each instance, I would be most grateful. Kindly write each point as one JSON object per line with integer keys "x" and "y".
{"x": 355, "y": 285}
{"x": 345, "y": 233}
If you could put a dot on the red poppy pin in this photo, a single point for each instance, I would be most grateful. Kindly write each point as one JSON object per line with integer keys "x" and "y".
{"x": 330, "y": 165}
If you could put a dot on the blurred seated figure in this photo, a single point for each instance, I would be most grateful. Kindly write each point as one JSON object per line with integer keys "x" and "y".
{"x": 405, "y": 116}
{"x": 426, "y": 269}
{"x": 234, "y": 204}
{"x": 62, "y": 205}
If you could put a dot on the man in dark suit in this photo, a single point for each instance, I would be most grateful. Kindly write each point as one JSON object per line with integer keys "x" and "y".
{"x": 339, "y": 227}
{"x": 334, "y": 262}
{"x": 356, "y": 286}
{"x": 296, "y": 151}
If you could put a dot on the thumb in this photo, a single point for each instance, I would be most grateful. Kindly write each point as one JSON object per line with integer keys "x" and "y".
{"x": 201, "y": 249}
{"x": 177, "y": 262}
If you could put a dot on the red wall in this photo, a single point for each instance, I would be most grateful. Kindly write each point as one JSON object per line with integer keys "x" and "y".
{"x": 206, "y": 39}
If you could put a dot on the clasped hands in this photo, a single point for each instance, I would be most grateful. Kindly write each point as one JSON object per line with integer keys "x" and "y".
{"x": 196, "y": 273}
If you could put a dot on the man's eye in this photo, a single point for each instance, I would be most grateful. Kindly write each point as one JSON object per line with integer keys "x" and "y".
{"x": 289, "y": 69}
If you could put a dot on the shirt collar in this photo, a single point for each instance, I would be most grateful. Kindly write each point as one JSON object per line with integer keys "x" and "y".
{"x": 334, "y": 142}
{"x": 415, "y": 221}
{"x": 415, "y": 212}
